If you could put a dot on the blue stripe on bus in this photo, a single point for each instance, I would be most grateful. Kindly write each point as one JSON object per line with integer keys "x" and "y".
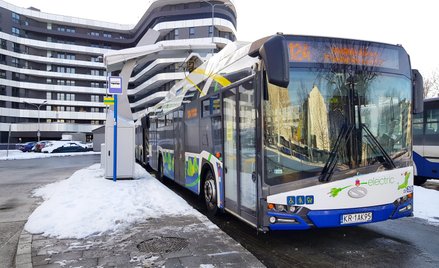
{"x": 426, "y": 168}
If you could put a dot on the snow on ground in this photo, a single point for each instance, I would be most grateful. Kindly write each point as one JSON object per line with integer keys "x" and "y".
{"x": 426, "y": 204}
{"x": 17, "y": 154}
{"x": 87, "y": 204}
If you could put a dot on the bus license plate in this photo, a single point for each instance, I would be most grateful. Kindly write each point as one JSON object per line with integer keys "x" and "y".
{"x": 356, "y": 218}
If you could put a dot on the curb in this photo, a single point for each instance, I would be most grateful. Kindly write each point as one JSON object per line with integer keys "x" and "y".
{"x": 23, "y": 257}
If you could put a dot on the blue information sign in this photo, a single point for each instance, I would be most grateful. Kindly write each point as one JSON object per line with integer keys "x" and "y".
{"x": 115, "y": 85}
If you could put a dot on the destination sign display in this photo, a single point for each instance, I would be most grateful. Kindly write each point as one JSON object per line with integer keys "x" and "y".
{"x": 343, "y": 53}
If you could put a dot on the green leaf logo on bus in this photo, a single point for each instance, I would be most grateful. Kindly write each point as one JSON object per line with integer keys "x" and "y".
{"x": 406, "y": 181}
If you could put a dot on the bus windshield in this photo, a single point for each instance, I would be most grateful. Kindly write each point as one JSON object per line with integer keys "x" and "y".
{"x": 358, "y": 116}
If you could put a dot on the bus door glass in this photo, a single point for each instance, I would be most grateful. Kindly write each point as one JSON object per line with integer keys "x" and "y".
{"x": 230, "y": 149}
{"x": 240, "y": 150}
{"x": 247, "y": 148}
{"x": 179, "y": 163}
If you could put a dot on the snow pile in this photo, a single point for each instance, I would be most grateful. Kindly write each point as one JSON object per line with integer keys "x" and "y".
{"x": 17, "y": 154}
{"x": 426, "y": 204}
{"x": 88, "y": 204}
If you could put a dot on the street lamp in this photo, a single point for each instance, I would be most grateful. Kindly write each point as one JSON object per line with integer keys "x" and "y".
{"x": 38, "y": 106}
{"x": 213, "y": 14}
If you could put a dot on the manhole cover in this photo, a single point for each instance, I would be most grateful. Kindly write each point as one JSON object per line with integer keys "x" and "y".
{"x": 162, "y": 244}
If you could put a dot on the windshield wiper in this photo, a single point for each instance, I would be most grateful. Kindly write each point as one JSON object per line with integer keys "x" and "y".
{"x": 330, "y": 164}
{"x": 376, "y": 146}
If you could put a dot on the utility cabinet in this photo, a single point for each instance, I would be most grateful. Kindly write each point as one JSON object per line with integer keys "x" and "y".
{"x": 125, "y": 148}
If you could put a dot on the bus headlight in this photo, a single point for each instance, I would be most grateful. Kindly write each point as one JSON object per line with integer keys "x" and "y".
{"x": 272, "y": 220}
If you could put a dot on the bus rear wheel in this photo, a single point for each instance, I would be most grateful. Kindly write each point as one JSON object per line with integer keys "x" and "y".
{"x": 210, "y": 194}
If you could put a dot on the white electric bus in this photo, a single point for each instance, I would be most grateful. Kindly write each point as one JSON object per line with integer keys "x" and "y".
{"x": 293, "y": 132}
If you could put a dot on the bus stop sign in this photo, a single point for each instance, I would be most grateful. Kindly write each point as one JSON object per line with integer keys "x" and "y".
{"x": 115, "y": 85}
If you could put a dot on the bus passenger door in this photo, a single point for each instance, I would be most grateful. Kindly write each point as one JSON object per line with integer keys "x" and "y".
{"x": 240, "y": 151}
{"x": 179, "y": 164}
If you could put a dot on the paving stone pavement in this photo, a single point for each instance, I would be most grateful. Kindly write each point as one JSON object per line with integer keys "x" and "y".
{"x": 184, "y": 241}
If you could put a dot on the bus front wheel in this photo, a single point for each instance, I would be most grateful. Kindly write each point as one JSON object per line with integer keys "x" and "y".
{"x": 210, "y": 194}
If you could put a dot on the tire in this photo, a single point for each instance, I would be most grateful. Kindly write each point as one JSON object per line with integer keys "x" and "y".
{"x": 160, "y": 175}
{"x": 210, "y": 194}
{"x": 420, "y": 180}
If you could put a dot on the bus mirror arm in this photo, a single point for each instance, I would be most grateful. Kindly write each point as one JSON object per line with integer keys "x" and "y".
{"x": 417, "y": 92}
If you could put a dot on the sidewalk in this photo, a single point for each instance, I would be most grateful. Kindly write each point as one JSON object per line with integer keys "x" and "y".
{"x": 183, "y": 241}
{"x": 128, "y": 223}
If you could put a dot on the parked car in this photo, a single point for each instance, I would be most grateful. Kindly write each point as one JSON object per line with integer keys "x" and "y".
{"x": 26, "y": 147}
{"x": 63, "y": 147}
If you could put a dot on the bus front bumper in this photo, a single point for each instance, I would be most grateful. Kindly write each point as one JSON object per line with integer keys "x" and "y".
{"x": 334, "y": 218}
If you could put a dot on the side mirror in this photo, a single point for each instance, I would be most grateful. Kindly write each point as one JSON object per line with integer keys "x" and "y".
{"x": 418, "y": 92}
{"x": 274, "y": 52}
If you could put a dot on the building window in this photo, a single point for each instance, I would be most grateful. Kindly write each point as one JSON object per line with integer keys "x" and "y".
{"x": 70, "y": 70}
{"x": 3, "y": 44}
{"x": 94, "y": 72}
{"x": 16, "y": 47}
{"x": 49, "y": 26}
{"x": 48, "y": 108}
{"x": 70, "y": 82}
{"x": 15, "y": 62}
{"x": 15, "y": 18}
{"x": 61, "y": 29}
{"x": 191, "y": 32}
{"x": 94, "y": 122}
{"x": 94, "y": 33}
{"x": 70, "y": 57}
{"x": 94, "y": 84}
{"x": 94, "y": 98}
{"x": 176, "y": 34}
{"x": 70, "y": 97}
{"x": 61, "y": 82}
{"x": 210, "y": 30}
{"x": 70, "y": 109}
{"x": 15, "y": 31}
{"x": 94, "y": 110}
{"x": 2, "y": 74}
{"x": 71, "y": 121}
{"x": 60, "y": 96}
{"x": 49, "y": 95}
{"x": 61, "y": 109}
{"x": 60, "y": 69}
{"x": 70, "y": 30}
{"x": 107, "y": 35}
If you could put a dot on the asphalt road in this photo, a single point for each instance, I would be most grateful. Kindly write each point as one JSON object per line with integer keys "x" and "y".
{"x": 17, "y": 180}
{"x": 408, "y": 242}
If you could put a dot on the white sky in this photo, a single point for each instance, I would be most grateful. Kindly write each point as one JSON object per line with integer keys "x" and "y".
{"x": 410, "y": 23}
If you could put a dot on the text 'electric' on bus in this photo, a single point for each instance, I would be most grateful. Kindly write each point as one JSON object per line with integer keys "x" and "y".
{"x": 292, "y": 132}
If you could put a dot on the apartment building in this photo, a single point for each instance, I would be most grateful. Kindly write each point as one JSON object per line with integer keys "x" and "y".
{"x": 52, "y": 77}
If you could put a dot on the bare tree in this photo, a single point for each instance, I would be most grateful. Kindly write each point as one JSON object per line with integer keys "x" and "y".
{"x": 431, "y": 85}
